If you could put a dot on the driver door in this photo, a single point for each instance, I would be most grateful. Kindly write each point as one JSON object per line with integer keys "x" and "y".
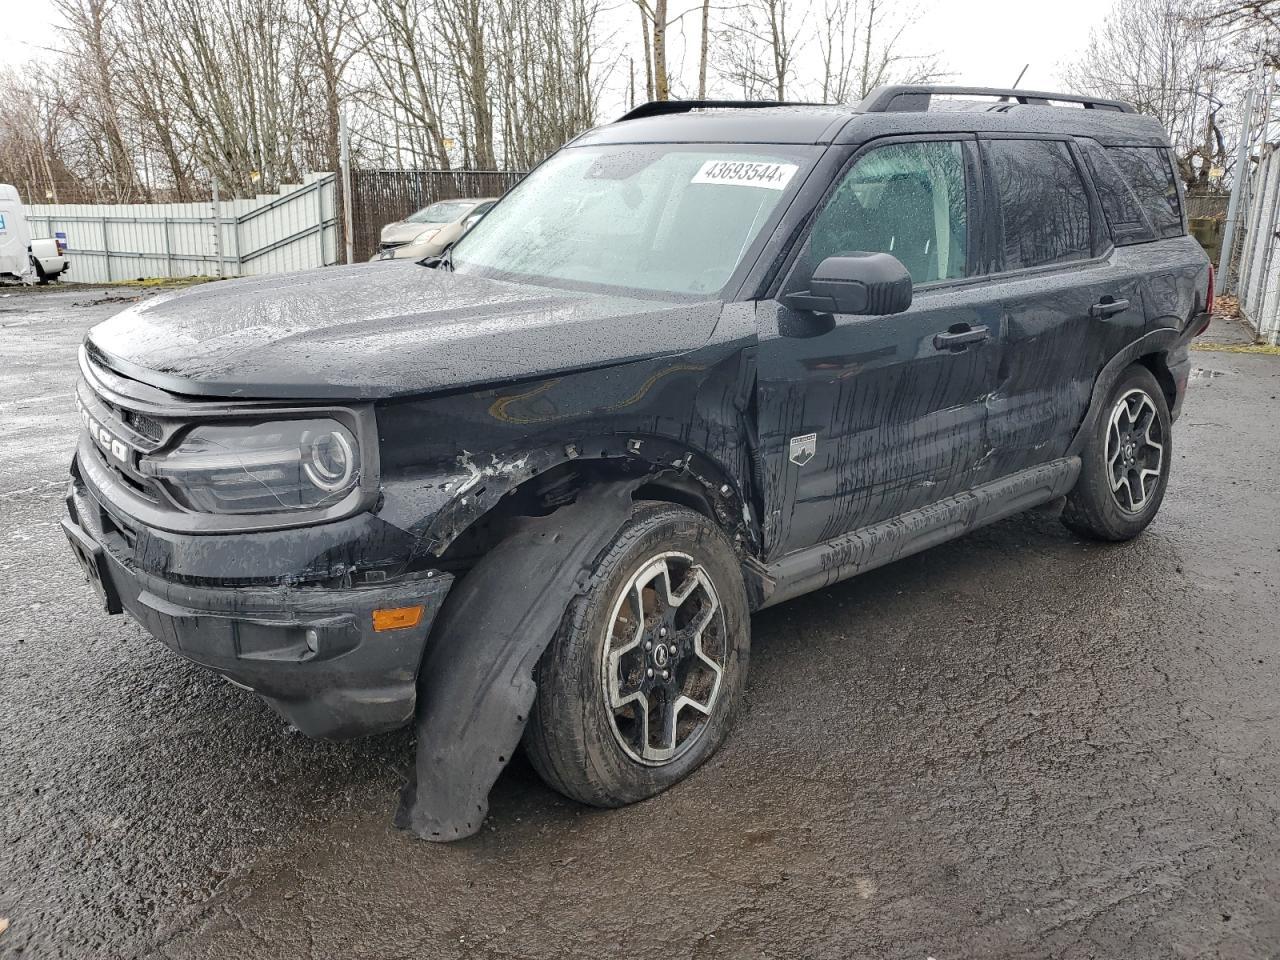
{"x": 864, "y": 418}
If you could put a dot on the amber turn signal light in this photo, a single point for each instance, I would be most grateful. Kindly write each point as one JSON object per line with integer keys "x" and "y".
{"x": 397, "y": 618}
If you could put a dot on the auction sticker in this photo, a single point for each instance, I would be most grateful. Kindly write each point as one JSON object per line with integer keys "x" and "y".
{"x": 746, "y": 173}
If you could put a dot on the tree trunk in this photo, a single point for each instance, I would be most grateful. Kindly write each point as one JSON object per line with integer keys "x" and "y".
{"x": 702, "y": 57}
{"x": 661, "y": 87}
{"x": 648, "y": 53}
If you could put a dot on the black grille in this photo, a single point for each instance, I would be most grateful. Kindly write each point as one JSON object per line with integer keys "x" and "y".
{"x": 147, "y": 426}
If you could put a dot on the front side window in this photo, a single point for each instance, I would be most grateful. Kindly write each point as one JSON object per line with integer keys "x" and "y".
{"x": 1151, "y": 176}
{"x": 665, "y": 219}
{"x": 1043, "y": 203}
{"x": 907, "y": 199}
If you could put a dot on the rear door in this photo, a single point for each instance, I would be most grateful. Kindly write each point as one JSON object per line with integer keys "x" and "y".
{"x": 1068, "y": 304}
{"x": 865, "y": 418}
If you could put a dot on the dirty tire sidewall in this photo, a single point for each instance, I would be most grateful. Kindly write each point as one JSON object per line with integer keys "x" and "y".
{"x": 569, "y": 738}
{"x": 1091, "y": 509}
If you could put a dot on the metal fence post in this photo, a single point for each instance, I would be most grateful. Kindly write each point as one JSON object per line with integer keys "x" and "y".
{"x": 106, "y": 245}
{"x": 1241, "y": 175}
{"x": 344, "y": 136}
{"x": 217, "y": 226}
{"x": 235, "y": 235}
{"x": 167, "y": 227}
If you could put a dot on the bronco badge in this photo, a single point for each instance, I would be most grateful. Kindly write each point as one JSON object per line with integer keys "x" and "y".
{"x": 803, "y": 448}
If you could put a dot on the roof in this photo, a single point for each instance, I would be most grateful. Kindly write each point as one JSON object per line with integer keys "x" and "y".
{"x": 887, "y": 111}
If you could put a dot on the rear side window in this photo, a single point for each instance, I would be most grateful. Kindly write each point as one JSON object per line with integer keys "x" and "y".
{"x": 1123, "y": 211}
{"x": 1149, "y": 173}
{"x": 1043, "y": 203}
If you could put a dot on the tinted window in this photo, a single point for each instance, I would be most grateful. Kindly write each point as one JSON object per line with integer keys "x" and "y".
{"x": 1043, "y": 202}
{"x": 1123, "y": 211}
{"x": 908, "y": 199}
{"x": 1149, "y": 173}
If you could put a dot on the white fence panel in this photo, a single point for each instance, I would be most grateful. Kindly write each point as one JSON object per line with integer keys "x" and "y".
{"x": 1259, "y": 281}
{"x": 293, "y": 229}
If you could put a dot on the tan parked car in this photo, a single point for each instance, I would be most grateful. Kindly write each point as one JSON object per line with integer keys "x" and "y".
{"x": 428, "y": 231}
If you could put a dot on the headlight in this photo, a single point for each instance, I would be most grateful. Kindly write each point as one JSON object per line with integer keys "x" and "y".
{"x": 426, "y": 235}
{"x": 260, "y": 468}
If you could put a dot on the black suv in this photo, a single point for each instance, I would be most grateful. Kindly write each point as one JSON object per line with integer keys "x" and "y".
{"x": 700, "y": 361}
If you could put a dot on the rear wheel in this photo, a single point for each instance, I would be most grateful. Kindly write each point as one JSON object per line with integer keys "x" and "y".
{"x": 643, "y": 679}
{"x": 42, "y": 278}
{"x": 1125, "y": 464}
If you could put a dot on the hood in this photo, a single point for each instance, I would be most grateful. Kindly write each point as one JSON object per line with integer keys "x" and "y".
{"x": 381, "y": 330}
{"x": 402, "y": 231}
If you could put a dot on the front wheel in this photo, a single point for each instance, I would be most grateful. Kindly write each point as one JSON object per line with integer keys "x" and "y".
{"x": 1125, "y": 464}
{"x": 644, "y": 677}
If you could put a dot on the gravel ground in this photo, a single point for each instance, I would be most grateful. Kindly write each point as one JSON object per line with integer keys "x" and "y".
{"x": 1015, "y": 745}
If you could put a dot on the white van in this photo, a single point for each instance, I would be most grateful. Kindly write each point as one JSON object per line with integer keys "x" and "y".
{"x": 21, "y": 258}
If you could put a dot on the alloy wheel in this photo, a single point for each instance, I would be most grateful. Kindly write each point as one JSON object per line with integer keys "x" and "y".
{"x": 664, "y": 658}
{"x": 1135, "y": 450}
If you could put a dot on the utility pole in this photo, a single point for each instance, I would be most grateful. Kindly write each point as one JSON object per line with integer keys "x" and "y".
{"x": 1237, "y": 188}
{"x": 344, "y": 139}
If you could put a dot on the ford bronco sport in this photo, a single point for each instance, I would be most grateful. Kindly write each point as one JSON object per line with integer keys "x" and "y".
{"x": 700, "y": 361}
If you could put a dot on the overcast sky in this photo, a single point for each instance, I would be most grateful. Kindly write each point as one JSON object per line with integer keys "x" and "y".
{"x": 984, "y": 42}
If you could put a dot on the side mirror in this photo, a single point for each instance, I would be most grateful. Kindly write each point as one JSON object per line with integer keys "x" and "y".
{"x": 865, "y": 284}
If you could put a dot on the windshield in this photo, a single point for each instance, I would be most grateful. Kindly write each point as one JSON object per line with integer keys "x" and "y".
{"x": 445, "y": 211}
{"x": 655, "y": 218}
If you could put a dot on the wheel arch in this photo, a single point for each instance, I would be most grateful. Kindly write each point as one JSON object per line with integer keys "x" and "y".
{"x": 1151, "y": 351}
{"x": 476, "y": 519}
{"x": 1158, "y": 363}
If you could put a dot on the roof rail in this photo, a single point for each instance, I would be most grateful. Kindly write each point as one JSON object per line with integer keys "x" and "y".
{"x": 890, "y": 99}
{"x": 657, "y": 108}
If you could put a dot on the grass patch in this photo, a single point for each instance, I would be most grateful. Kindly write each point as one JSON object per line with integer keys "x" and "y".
{"x": 1262, "y": 348}
{"x": 151, "y": 283}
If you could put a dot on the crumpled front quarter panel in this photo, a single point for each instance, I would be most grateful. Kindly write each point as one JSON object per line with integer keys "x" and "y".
{"x": 448, "y": 460}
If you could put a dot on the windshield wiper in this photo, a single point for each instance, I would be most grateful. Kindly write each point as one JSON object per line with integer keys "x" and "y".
{"x": 441, "y": 260}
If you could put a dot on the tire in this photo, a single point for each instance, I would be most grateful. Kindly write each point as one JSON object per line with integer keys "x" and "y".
{"x": 1131, "y": 440}
{"x": 598, "y": 755}
{"x": 42, "y": 278}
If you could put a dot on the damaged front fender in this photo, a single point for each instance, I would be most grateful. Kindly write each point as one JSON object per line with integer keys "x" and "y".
{"x": 476, "y": 685}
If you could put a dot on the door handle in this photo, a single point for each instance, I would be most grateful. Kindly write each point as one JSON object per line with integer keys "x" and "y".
{"x": 959, "y": 337}
{"x": 1108, "y": 306}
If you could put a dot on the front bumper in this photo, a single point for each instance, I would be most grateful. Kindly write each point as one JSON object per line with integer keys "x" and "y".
{"x": 408, "y": 251}
{"x": 310, "y": 651}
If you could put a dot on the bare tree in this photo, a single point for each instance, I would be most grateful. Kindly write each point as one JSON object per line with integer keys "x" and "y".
{"x": 402, "y": 54}
{"x": 757, "y": 47}
{"x": 702, "y": 49}
{"x": 653, "y": 28}
{"x": 1163, "y": 58}
{"x": 100, "y": 113}
{"x": 879, "y": 28}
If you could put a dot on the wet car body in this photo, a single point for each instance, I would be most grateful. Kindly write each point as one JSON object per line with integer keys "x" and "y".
{"x": 821, "y": 445}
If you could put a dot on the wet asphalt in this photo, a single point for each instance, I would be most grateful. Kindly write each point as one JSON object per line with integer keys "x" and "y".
{"x": 1015, "y": 745}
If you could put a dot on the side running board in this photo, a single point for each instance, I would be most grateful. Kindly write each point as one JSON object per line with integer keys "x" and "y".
{"x": 869, "y": 547}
